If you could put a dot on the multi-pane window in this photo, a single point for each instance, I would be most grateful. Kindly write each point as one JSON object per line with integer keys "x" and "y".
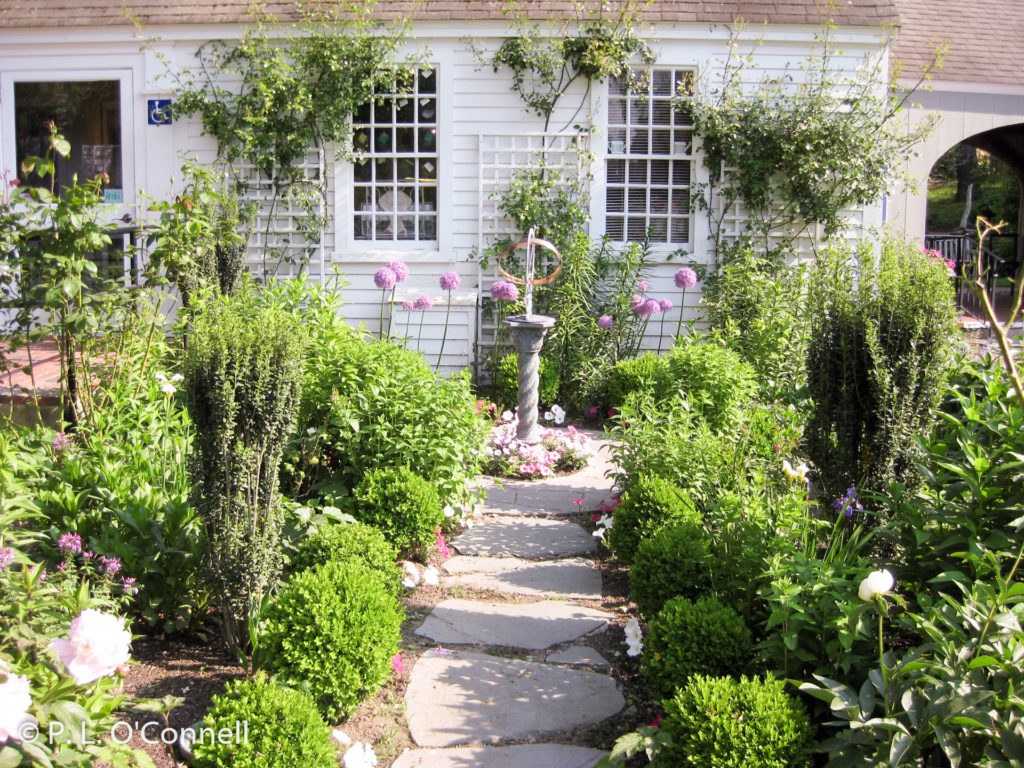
{"x": 395, "y": 179}
{"x": 649, "y": 158}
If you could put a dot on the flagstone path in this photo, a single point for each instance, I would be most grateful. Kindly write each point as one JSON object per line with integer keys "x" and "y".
{"x": 458, "y": 696}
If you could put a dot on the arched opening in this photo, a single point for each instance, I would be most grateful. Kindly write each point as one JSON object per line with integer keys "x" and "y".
{"x": 980, "y": 176}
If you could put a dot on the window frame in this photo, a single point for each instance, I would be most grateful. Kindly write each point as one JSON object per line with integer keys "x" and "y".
{"x": 125, "y": 77}
{"x": 345, "y": 208}
{"x": 604, "y": 155}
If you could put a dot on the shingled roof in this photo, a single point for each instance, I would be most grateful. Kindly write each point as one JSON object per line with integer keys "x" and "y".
{"x": 92, "y": 13}
{"x": 985, "y": 38}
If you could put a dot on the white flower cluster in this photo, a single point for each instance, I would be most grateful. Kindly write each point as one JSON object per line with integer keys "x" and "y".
{"x": 412, "y": 578}
{"x": 634, "y": 638}
{"x": 556, "y": 414}
{"x": 604, "y": 524}
{"x": 800, "y": 473}
{"x": 464, "y": 513}
{"x": 359, "y": 755}
{"x": 167, "y": 384}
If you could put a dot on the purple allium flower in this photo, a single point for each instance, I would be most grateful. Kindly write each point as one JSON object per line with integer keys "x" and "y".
{"x": 666, "y": 305}
{"x": 385, "y": 278}
{"x": 400, "y": 268}
{"x": 643, "y": 286}
{"x": 6, "y": 557}
{"x": 686, "y": 278}
{"x": 647, "y": 308}
{"x": 635, "y": 300}
{"x": 605, "y": 321}
{"x": 61, "y": 442}
{"x": 424, "y": 302}
{"x": 450, "y": 281}
{"x": 408, "y": 306}
{"x": 503, "y": 290}
{"x": 70, "y": 543}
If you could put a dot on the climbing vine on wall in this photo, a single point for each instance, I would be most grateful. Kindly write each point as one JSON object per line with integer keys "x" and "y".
{"x": 798, "y": 150}
{"x": 282, "y": 93}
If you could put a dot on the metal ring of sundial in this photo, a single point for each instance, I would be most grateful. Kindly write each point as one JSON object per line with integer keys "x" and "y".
{"x": 526, "y": 244}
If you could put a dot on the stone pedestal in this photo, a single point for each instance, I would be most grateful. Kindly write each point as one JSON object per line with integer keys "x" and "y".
{"x": 528, "y": 333}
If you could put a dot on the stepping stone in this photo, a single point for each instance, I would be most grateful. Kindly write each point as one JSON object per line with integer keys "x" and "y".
{"x": 464, "y": 698}
{"x": 518, "y": 756}
{"x": 581, "y": 655}
{"x": 525, "y": 537}
{"x": 573, "y": 579}
{"x": 555, "y": 495}
{"x": 533, "y": 626}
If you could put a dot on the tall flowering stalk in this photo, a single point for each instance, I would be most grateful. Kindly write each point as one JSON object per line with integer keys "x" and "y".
{"x": 685, "y": 278}
{"x": 503, "y": 292}
{"x": 385, "y": 279}
{"x": 423, "y": 303}
{"x": 408, "y": 305}
{"x": 666, "y": 307}
{"x": 644, "y": 309}
{"x": 449, "y": 282}
{"x": 401, "y": 270}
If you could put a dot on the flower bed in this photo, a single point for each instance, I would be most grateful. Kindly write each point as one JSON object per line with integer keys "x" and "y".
{"x": 559, "y": 451}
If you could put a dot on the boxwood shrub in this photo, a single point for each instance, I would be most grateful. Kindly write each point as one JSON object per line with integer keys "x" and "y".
{"x": 650, "y": 504}
{"x": 644, "y": 374}
{"x": 507, "y": 386}
{"x": 670, "y": 563}
{"x": 351, "y": 542}
{"x": 728, "y": 723}
{"x": 332, "y": 631}
{"x": 283, "y": 729}
{"x": 402, "y": 505}
{"x": 686, "y": 638}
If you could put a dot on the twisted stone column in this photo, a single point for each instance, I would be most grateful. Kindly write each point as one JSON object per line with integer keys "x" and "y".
{"x": 528, "y": 338}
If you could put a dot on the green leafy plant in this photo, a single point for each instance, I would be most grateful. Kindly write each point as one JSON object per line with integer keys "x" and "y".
{"x": 351, "y": 542}
{"x": 507, "y": 384}
{"x": 671, "y": 563}
{"x": 649, "y": 505}
{"x": 688, "y": 638}
{"x": 644, "y": 374}
{"x": 332, "y": 631}
{"x": 879, "y": 356}
{"x": 715, "y": 381}
{"x": 373, "y": 404}
{"x": 243, "y": 372}
{"x": 402, "y": 505}
{"x": 282, "y": 729}
{"x": 728, "y": 723}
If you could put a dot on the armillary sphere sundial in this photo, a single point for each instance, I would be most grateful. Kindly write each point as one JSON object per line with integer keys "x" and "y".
{"x": 528, "y": 331}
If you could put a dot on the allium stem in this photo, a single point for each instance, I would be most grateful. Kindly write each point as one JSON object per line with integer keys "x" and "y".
{"x": 444, "y": 336}
{"x": 391, "y": 309}
{"x": 419, "y": 334}
{"x": 682, "y": 309}
{"x": 661, "y": 332}
{"x": 383, "y": 294}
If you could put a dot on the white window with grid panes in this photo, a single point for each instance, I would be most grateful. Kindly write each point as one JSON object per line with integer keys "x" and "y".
{"x": 395, "y": 177}
{"x": 649, "y": 158}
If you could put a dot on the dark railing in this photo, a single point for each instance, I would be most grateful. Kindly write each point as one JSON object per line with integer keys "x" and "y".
{"x": 998, "y": 259}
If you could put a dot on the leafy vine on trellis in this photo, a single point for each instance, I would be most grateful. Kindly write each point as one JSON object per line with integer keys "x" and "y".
{"x": 799, "y": 150}
{"x": 297, "y": 89}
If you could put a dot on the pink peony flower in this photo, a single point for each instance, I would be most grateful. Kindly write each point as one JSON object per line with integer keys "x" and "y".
{"x": 450, "y": 281}
{"x": 97, "y": 645}
{"x": 15, "y": 700}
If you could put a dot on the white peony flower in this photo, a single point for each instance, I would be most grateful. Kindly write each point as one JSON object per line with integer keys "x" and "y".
{"x": 360, "y": 755}
{"x": 341, "y": 737}
{"x": 412, "y": 575}
{"x": 431, "y": 576}
{"x": 97, "y": 645}
{"x": 15, "y": 700}
{"x": 876, "y": 583}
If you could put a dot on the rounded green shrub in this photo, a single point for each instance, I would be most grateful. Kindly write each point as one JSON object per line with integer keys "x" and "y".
{"x": 351, "y": 542}
{"x": 332, "y": 631}
{"x": 715, "y": 379}
{"x": 686, "y": 638}
{"x": 671, "y": 563}
{"x": 374, "y": 404}
{"x": 727, "y": 723}
{"x": 642, "y": 374}
{"x": 282, "y": 729}
{"x": 649, "y": 505}
{"x": 402, "y": 505}
{"x": 507, "y": 386}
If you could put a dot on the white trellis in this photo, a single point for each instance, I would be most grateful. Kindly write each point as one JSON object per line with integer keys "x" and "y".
{"x": 499, "y": 156}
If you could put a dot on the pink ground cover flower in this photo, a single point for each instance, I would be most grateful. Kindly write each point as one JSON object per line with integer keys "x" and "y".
{"x": 96, "y": 646}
